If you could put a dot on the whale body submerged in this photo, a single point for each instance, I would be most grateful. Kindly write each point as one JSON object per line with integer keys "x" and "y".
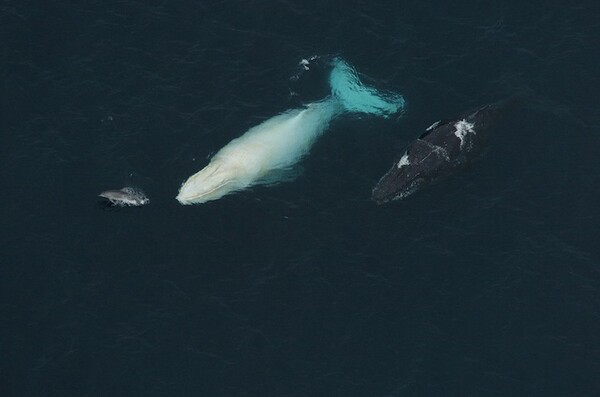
{"x": 267, "y": 150}
{"x": 444, "y": 148}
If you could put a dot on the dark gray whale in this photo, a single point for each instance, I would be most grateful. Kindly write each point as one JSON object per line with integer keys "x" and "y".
{"x": 444, "y": 148}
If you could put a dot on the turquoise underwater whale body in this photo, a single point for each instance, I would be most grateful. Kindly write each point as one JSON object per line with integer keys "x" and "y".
{"x": 280, "y": 142}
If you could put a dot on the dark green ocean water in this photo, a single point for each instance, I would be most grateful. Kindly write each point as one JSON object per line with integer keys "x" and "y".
{"x": 485, "y": 284}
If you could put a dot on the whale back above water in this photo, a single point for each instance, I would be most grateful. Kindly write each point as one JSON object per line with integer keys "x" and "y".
{"x": 444, "y": 148}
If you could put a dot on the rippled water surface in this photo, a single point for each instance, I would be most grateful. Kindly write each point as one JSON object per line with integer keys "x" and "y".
{"x": 484, "y": 284}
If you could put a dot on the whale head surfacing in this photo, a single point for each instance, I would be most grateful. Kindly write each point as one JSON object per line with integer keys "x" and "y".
{"x": 274, "y": 145}
{"x": 446, "y": 147}
{"x": 211, "y": 183}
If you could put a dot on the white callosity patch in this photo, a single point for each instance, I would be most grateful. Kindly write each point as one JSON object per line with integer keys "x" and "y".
{"x": 403, "y": 161}
{"x": 463, "y": 127}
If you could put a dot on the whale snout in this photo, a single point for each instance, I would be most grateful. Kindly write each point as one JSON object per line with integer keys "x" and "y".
{"x": 210, "y": 183}
{"x": 198, "y": 190}
{"x": 184, "y": 198}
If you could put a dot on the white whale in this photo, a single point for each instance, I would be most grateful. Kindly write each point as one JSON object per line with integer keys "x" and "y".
{"x": 266, "y": 151}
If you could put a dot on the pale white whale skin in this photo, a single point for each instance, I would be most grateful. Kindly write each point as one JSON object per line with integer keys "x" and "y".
{"x": 265, "y": 152}
{"x": 276, "y": 144}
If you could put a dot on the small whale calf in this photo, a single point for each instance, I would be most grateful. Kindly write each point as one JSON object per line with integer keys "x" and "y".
{"x": 125, "y": 197}
{"x": 444, "y": 148}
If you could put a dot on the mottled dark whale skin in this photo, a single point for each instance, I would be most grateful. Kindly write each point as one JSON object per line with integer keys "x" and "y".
{"x": 444, "y": 148}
